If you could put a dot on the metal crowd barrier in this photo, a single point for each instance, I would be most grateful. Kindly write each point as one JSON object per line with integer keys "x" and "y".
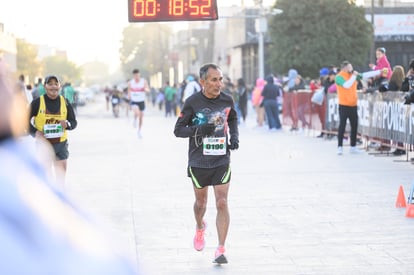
{"x": 381, "y": 116}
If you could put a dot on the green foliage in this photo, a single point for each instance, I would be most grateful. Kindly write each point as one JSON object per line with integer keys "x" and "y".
{"x": 65, "y": 69}
{"x": 311, "y": 34}
{"x": 27, "y": 63}
{"x": 145, "y": 46}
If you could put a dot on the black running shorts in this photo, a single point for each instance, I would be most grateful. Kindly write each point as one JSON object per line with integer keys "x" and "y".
{"x": 61, "y": 150}
{"x": 141, "y": 105}
{"x": 202, "y": 177}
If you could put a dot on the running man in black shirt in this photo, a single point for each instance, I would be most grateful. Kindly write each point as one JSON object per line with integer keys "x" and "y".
{"x": 208, "y": 118}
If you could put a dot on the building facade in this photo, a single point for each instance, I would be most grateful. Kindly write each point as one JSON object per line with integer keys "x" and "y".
{"x": 8, "y": 49}
{"x": 394, "y": 30}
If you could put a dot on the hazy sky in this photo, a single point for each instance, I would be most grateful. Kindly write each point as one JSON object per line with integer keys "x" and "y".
{"x": 86, "y": 29}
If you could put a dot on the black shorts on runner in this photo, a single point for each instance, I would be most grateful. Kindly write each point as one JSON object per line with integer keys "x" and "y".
{"x": 141, "y": 105}
{"x": 61, "y": 150}
{"x": 202, "y": 177}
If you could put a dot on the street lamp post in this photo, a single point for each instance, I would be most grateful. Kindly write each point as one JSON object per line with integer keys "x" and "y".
{"x": 261, "y": 29}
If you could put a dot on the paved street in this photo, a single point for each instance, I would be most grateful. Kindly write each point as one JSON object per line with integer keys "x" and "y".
{"x": 296, "y": 207}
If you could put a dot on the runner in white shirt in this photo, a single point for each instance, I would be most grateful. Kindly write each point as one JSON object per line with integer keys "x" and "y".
{"x": 137, "y": 89}
{"x": 191, "y": 87}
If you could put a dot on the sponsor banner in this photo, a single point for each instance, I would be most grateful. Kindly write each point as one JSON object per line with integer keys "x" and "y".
{"x": 380, "y": 116}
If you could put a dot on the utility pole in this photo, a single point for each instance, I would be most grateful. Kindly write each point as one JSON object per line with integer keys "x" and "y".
{"x": 372, "y": 50}
{"x": 210, "y": 42}
{"x": 261, "y": 28}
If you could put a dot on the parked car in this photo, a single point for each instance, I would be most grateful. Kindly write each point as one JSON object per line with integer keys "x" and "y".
{"x": 80, "y": 98}
{"x": 84, "y": 95}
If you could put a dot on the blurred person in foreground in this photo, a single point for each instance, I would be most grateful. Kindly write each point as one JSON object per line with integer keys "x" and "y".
{"x": 51, "y": 116}
{"x": 41, "y": 230}
{"x": 209, "y": 120}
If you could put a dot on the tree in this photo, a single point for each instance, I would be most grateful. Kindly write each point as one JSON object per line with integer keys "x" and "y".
{"x": 27, "y": 63}
{"x": 61, "y": 66}
{"x": 311, "y": 34}
{"x": 145, "y": 47}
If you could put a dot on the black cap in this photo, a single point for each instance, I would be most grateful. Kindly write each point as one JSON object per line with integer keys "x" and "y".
{"x": 49, "y": 77}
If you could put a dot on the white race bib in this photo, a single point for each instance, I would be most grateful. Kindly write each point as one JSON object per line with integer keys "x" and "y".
{"x": 53, "y": 130}
{"x": 137, "y": 96}
{"x": 214, "y": 146}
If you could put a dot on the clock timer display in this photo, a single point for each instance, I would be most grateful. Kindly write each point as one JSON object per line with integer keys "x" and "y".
{"x": 171, "y": 10}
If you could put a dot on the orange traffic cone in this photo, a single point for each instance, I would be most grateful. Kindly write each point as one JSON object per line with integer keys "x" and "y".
{"x": 401, "y": 203}
{"x": 409, "y": 213}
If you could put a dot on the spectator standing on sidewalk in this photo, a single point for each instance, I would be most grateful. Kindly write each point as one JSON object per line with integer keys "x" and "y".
{"x": 408, "y": 83}
{"x": 192, "y": 86}
{"x": 241, "y": 95}
{"x": 302, "y": 107}
{"x": 394, "y": 85}
{"x": 209, "y": 120}
{"x": 270, "y": 93}
{"x": 397, "y": 78}
{"x": 346, "y": 84}
{"x": 290, "y": 102}
{"x": 316, "y": 85}
{"x": 69, "y": 93}
{"x": 169, "y": 93}
{"x": 21, "y": 87}
{"x": 38, "y": 89}
{"x": 257, "y": 100}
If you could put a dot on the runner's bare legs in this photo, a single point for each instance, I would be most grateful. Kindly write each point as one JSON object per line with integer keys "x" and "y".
{"x": 223, "y": 216}
{"x": 200, "y": 205}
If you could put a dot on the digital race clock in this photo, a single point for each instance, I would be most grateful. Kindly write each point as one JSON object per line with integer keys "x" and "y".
{"x": 171, "y": 10}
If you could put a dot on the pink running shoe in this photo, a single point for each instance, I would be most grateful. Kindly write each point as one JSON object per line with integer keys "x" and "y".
{"x": 199, "y": 241}
{"x": 219, "y": 257}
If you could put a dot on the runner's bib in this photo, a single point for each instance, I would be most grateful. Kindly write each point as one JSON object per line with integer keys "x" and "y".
{"x": 214, "y": 146}
{"x": 53, "y": 130}
{"x": 138, "y": 96}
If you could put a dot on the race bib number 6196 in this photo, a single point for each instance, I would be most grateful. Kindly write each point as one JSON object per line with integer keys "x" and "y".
{"x": 214, "y": 146}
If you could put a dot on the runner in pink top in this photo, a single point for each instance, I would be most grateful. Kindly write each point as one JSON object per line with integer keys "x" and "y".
{"x": 382, "y": 62}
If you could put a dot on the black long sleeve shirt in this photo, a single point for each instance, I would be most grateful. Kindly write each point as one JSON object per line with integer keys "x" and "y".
{"x": 270, "y": 92}
{"x": 53, "y": 106}
{"x": 198, "y": 110}
{"x": 408, "y": 83}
